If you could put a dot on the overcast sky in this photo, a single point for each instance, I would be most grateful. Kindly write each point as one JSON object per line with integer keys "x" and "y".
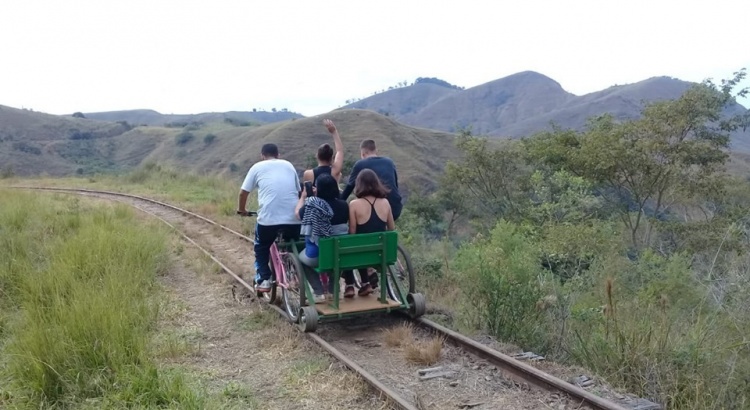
{"x": 310, "y": 56}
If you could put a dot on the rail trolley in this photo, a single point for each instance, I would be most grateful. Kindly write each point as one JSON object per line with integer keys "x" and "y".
{"x": 379, "y": 250}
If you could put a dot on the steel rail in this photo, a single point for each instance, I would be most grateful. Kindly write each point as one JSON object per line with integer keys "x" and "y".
{"x": 511, "y": 368}
{"x": 518, "y": 370}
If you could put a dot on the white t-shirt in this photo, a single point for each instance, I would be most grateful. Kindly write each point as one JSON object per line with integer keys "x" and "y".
{"x": 278, "y": 188}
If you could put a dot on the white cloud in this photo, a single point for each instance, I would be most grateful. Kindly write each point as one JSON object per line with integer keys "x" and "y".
{"x": 310, "y": 56}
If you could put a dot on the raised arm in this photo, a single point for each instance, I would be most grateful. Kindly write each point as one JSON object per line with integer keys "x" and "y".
{"x": 338, "y": 158}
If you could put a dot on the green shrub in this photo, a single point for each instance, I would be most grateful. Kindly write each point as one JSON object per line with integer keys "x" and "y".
{"x": 209, "y": 138}
{"x": 183, "y": 138}
{"x": 24, "y": 146}
{"x": 499, "y": 276}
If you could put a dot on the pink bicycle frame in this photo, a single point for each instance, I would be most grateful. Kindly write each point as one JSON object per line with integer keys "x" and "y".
{"x": 278, "y": 266}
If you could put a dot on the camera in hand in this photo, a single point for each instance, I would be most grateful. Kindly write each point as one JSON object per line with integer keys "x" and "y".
{"x": 308, "y": 188}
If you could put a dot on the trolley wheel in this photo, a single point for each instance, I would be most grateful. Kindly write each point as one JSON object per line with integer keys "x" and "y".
{"x": 293, "y": 295}
{"x": 405, "y": 271}
{"x": 417, "y": 304}
{"x": 308, "y": 319}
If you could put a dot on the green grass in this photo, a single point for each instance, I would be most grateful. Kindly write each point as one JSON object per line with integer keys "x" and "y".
{"x": 79, "y": 306}
{"x": 306, "y": 368}
{"x": 213, "y": 196}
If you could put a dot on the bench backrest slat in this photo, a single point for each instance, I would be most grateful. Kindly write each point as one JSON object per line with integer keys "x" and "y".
{"x": 357, "y": 251}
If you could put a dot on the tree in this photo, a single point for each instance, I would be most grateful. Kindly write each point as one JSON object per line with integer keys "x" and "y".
{"x": 78, "y": 114}
{"x": 491, "y": 179}
{"x": 675, "y": 150}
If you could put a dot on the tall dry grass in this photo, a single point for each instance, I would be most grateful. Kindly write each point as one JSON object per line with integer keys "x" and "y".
{"x": 79, "y": 305}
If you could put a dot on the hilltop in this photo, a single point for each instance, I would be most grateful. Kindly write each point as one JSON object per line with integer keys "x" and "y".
{"x": 525, "y": 103}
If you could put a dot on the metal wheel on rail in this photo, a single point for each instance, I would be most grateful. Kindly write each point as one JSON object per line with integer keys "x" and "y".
{"x": 292, "y": 294}
{"x": 417, "y": 305}
{"x": 403, "y": 272}
{"x": 308, "y": 319}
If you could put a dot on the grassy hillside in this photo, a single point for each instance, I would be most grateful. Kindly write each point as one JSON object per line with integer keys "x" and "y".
{"x": 37, "y": 144}
{"x": 419, "y": 154}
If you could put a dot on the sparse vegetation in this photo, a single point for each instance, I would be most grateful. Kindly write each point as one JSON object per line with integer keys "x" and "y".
{"x": 240, "y": 123}
{"x": 24, "y": 146}
{"x": 424, "y": 352}
{"x": 433, "y": 80}
{"x": 183, "y": 138}
{"x": 399, "y": 335}
{"x": 7, "y": 171}
{"x": 209, "y": 138}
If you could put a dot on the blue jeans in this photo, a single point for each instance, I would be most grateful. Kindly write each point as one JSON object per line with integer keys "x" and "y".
{"x": 264, "y": 238}
{"x": 314, "y": 278}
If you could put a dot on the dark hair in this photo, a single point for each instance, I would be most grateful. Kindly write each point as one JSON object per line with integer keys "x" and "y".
{"x": 368, "y": 145}
{"x": 328, "y": 188}
{"x": 368, "y": 184}
{"x": 325, "y": 153}
{"x": 270, "y": 150}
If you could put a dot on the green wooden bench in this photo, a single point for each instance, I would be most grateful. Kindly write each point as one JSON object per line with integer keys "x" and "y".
{"x": 361, "y": 251}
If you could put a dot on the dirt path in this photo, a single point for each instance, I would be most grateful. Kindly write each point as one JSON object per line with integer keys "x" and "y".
{"x": 237, "y": 346}
{"x": 243, "y": 349}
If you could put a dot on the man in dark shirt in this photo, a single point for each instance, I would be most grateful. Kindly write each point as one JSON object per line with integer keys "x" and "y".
{"x": 385, "y": 170}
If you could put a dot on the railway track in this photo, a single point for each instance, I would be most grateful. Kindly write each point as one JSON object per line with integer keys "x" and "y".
{"x": 228, "y": 248}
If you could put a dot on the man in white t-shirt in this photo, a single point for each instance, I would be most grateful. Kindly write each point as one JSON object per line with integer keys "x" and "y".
{"x": 278, "y": 191}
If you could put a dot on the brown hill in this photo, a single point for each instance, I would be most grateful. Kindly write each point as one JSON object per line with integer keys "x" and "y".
{"x": 419, "y": 154}
{"x": 37, "y": 143}
{"x": 493, "y": 105}
{"x": 622, "y": 101}
{"x": 526, "y": 103}
{"x": 34, "y": 143}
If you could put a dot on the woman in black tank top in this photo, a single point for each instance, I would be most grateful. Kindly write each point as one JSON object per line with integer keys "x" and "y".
{"x": 371, "y": 193}
{"x": 374, "y": 224}
{"x": 329, "y": 162}
{"x": 321, "y": 170}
